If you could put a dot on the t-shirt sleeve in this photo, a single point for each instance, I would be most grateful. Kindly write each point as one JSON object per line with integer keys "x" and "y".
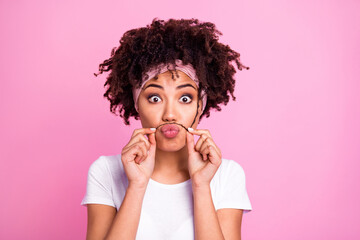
{"x": 233, "y": 191}
{"x": 98, "y": 188}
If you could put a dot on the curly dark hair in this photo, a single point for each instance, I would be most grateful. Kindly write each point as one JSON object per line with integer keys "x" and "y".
{"x": 162, "y": 41}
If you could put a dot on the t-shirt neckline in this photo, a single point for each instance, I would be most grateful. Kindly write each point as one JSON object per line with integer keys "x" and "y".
{"x": 176, "y": 185}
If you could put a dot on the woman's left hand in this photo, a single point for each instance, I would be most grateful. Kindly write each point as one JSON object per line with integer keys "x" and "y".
{"x": 204, "y": 157}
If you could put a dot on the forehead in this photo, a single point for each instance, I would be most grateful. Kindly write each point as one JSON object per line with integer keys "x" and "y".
{"x": 166, "y": 79}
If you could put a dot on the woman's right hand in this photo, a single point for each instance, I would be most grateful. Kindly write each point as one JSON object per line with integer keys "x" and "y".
{"x": 138, "y": 156}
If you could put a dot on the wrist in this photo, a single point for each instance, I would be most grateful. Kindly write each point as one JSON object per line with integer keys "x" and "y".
{"x": 200, "y": 186}
{"x": 138, "y": 186}
{"x": 199, "y": 183}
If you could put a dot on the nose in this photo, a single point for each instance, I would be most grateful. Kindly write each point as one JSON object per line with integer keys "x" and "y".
{"x": 170, "y": 113}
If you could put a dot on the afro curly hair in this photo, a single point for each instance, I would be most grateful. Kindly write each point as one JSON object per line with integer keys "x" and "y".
{"x": 189, "y": 40}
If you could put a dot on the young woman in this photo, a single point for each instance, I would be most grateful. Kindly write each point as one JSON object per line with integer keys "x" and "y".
{"x": 164, "y": 184}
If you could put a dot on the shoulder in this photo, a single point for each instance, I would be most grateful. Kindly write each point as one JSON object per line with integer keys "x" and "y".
{"x": 229, "y": 172}
{"x": 106, "y": 164}
{"x": 229, "y": 166}
{"x": 103, "y": 179}
{"x": 106, "y": 160}
{"x": 108, "y": 172}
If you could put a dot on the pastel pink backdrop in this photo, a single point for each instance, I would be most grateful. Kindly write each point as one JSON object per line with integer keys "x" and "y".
{"x": 294, "y": 127}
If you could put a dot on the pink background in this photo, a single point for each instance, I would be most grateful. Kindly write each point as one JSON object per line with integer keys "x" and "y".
{"x": 294, "y": 127}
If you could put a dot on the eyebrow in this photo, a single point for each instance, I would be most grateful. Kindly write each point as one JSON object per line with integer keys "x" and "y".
{"x": 178, "y": 87}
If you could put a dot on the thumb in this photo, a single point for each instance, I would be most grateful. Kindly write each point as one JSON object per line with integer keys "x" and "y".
{"x": 151, "y": 138}
{"x": 152, "y": 143}
{"x": 190, "y": 142}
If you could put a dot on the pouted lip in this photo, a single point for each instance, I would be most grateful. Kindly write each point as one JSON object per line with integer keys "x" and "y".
{"x": 169, "y": 127}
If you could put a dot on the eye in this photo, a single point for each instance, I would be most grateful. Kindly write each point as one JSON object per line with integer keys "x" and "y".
{"x": 186, "y": 99}
{"x": 154, "y": 98}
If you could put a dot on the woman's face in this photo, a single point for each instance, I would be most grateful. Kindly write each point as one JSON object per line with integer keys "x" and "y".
{"x": 167, "y": 100}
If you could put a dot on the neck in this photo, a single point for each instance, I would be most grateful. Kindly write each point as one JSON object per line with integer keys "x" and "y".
{"x": 171, "y": 165}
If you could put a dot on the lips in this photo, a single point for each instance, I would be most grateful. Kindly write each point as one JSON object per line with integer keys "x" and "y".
{"x": 170, "y": 130}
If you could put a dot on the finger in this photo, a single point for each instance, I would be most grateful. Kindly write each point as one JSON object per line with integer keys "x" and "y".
{"x": 209, "y": 152}
{"x": 190, "y": 142}
{"x": 138, "y": 151}
{"x": 149, "y": 152}
{"x": 144, "y": 139}
{"x": 139, "y": 134}
{"x": 143, "y": 131}
{"x": 200, "y": 132}
{"x": 152, "y": 149}
{"x": 205, "y": 153}
{"x": 137, "y": 159}
{"x": 142, "y": 159}
{"x": 152, "y": 139}
{"x": 214, "y": 161}
{"x": 140, "y": 139}
{"x": 204, "y": 149}
{"x": 200, "y": 142}
{"x": 143, "y": 147}
{"x": 210, "y": 141}
{"x": 213, "y": 156}
{"x": 131, "y": 155}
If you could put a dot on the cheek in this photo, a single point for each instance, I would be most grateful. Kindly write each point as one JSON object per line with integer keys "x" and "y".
{"x": 149, "y": 118}
{"x": 188, "y": 117}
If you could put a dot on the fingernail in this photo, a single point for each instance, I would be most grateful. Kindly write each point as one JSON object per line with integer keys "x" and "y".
{"x": 190, "y": 129}
{"x": 152, "y": 129}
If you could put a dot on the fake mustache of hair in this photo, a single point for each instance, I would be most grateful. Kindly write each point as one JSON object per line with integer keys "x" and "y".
{"x": 173, "y": 123}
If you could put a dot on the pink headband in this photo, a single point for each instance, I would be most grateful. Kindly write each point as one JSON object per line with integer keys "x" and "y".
{"x": 187, "y": 69}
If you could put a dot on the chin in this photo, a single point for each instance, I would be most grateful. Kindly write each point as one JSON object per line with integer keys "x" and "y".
{"x": 170, "y": 149}
{"x": 170, "y": 145}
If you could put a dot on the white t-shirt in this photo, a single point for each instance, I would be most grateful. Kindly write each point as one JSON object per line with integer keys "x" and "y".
{"x": 167, "y": 211}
